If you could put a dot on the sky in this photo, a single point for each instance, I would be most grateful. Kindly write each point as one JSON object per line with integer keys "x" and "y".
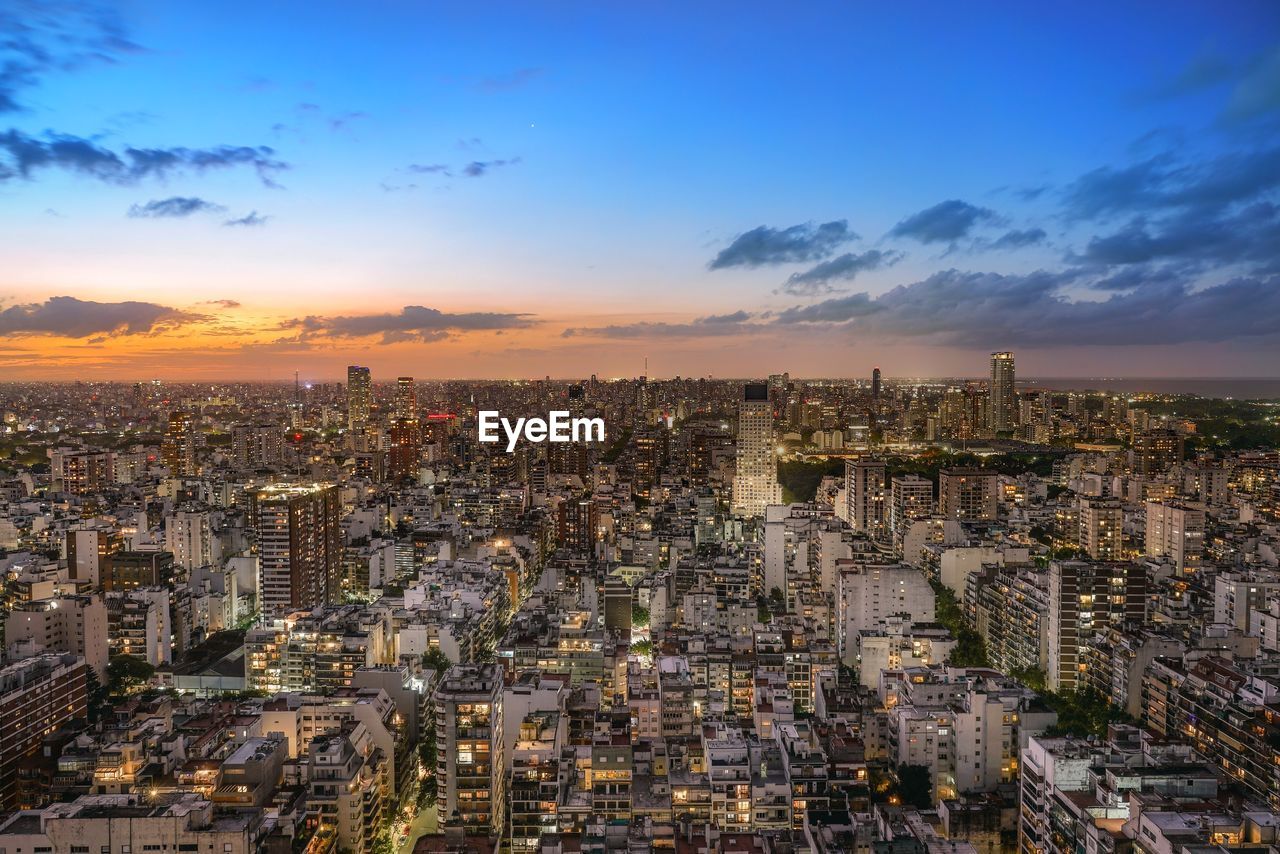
{"x": 244, "y": 190}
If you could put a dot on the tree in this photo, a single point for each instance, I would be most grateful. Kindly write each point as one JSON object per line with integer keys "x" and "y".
{"x": 436, "y": 660}
{"x": 125, "y": 672}
{"x": 915, "y": 786}
{"x": 642, "y": 647}
{"x": 639, "y": 616}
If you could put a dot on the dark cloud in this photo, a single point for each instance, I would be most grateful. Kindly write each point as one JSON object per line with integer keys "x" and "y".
{"x": 412, "y": 323}
{"x": 973, "y": 309}
{"x": 762, "y": 246}
{"x": 513, "y": 80}
{"x": 174, "y": 206}
{"x": 1019, "y": 238}
{"x": 39, "y": 38}
{"x": 1165, "y": 183}
{"x": 21, "y": 156}
{"x": 477, "y": 168}
{"x": 1248, "y": 236}
{"x": 1257, "y": 92}
{"x": 249, "y": 220}
{"x": 945, "y": 222}
{"x": 846, "y": 267}
{"x": 1206, "y": 69}
{"x": 1253, "y": 84}
{"x": 713, "y": 325}
{"x": 429, "y": 168}
{"x": 76, "y": 318}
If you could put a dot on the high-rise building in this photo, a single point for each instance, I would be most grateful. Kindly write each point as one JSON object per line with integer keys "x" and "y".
{"x": 406, "y": 449}
{"x": 1154, "y": 451}
{"x": 257, "y": 445}
{"x": 864, "y": 490}
{"x": 1102, "y": 528}
{"x": 359, "y": 397}
{"x": 875, "y": 384}
{"x": 968, "y": 494}
{"x": 1004, "y": 398}
{"x": 910, "y": 498}
{"x": 1085, "y": 598}
{"x": 576, "y": 525}
{"x": 755, "y": 483}
{"x": 189, "y": 535}
{"x": 299, "y": 545}
{"x": 406, "y": 398}
{"x": 178, "y": 449}
{"x": 1175, "y": 530}
{"x": 66, "y": 624}
{"x": 470, "y": 771}
{"x": 37, "y": 696}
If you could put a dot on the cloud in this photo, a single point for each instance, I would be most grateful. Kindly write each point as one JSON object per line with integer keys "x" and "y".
{"x": 513, "y": 80}
{"x": 174, "y": 206}
{"x": 38, "y": 38}
{"x": 762, "y": 246}
{"x": 1018, "y": 239}
{"x": 21, "y": 156}
{"x": 1257, "y": 92}
{"x": 477, "y": 168}
{"x": 844, "y": 267}
{"x": 1164, "y": 183}
{"x": 974, "y": 309}
{"x": 1206, "y": 69}
{"x": 713, "y": 325}
{"x": 344, "y": 120}
{"x": 76, "y": 318}
{"x": 412, "y": 323}
{"x": 429, "y": 168}
{"x": 250, "y": 220}
{"x": 945, "y": 222}
{"x": 1247, "y": 235}
{"x": 222, "y": 303}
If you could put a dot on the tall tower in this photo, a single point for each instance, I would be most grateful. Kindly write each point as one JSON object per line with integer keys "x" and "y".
{"x": 299, "y": 545}
{"x": 178, "y": 449}
{"x": 875, "y": 384}
{"x": 755, "y": 484}
{"x": 359, "y": 393}
{"x": 1004, "y": 400}
{"x": 864, "y": 490}
{"x": 406, "y": 398}
{"x": 470, "y": 770}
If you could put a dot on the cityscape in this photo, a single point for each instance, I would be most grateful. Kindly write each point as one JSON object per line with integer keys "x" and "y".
{"x": 714, "y": 428}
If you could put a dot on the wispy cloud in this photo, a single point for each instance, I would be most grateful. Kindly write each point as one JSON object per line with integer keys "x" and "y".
{"x": 173, "y": 207}
{"x": 22, "y": 156}
{"x": 818, "y": 279}
{"x": 249, "y": 220}
{"x": 75, "y": 318}
{"x": 945, "y": 222}
{"x": 411, "y": 323}
{"x": 767, "y": 246}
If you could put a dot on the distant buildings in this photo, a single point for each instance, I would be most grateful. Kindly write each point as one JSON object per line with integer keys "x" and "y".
{"x": 1004, "y": 396}
{"x": 359, "y": 398}
{"x": 968, "y": 494}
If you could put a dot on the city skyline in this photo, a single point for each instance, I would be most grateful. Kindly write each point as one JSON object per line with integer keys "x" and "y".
{"x": 524, "y": 192}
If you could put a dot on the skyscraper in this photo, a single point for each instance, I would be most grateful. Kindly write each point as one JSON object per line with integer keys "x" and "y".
{"x": 875, "y": 384}
{"x": 359, "y": 395}
{"x": 299, "y": 545}
{"x": 755, "y": 483}
{"x": 910, "y": 498}
{"x": 1085, "y": 598}
{"x": 406, "y": 448}
{"x": 968, "y": 494}
{"x": 1175, "y": 530}
{"x": 178, "y": 450}
{"x": 864, "y": 490}
{"x": 406, "y": 398}
{"x": 1102, "y": 528}
{"x": 1004, "y": 399}
{"x": 470, "y": 770}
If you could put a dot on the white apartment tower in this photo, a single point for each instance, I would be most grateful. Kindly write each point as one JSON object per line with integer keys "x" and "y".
{"x": 755, "y": 483}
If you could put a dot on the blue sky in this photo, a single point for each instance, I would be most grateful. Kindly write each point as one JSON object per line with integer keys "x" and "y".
{"x": 551, "y": 183}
